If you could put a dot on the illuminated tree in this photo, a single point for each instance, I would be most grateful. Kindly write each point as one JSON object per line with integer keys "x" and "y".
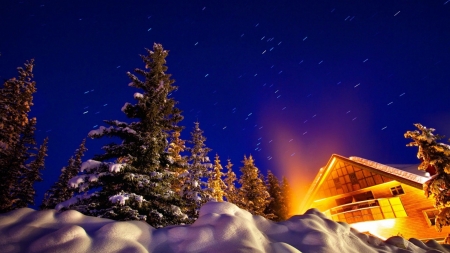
{"x": 60, "y": 190}
{"x": 274, "y": 208}
{"x": 286, "y": 199}
{"x": 215, "y": 183}
{"x": 20, "y": 159}
{"x": 253, "y": 195}
{"x": 132, "y": 179}
{"x": 435, "y": 158}
{"x": 176, "y": 146}
{"x": 231, "y": 192}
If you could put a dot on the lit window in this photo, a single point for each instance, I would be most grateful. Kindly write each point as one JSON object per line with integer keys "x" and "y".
{"x": 397, "y": 190}
{"x": 392, "y": 208}
{"x": 430, "y": 216}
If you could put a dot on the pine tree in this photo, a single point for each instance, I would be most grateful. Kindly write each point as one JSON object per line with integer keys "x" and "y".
{"x": 176, "y": 146}
{"x": 60, "y": 190}
{"x": 274, "y": 208}
{"x": 195, "y": 190}
{"x": 215, "y": 182}
{"x": 132, "y": 179}
{"x": 253, "y": 195}
{"x": 33, "y": 175}
{"x": 20, "y": 159}
{"x": 435, "y": 158}
{"x": 231, "y": 192}
{"x": 286, "y": 199}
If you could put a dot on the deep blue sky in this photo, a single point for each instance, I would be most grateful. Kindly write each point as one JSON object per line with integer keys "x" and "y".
{"x": 290, "y": 82}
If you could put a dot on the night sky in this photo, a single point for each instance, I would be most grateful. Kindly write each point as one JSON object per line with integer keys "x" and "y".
{"x": 289, "y": 82}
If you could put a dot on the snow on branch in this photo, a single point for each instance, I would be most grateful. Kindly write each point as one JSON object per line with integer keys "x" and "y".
{"x": 90, "y": 165}
{"x": 122, "y": 197}
{"x": 74, "y": 200}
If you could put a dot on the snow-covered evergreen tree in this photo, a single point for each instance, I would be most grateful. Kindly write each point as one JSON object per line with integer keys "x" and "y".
{"x": 274, "y": 208}
{"x": 195, "y": 190}
{"x": 60, "y": 191}
{"x": 215, "y": 183}
{"x": 132, "y": 179}
{"x": 253, "y": 195}
{"x": 231, "y": 192}
{"x": 435, "y": 158}
{"x": 286, "y": 199}
{"x": 20, "y": 159}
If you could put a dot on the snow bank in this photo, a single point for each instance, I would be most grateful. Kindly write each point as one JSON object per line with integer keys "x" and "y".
{"x": 222, "y": 227}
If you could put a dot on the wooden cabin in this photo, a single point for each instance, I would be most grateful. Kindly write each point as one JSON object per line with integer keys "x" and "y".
{"x": 375, "y": 198}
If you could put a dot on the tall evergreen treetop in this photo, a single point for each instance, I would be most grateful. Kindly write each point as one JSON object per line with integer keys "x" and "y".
{"x": 231, "y": 192}
{"x": 274, "y": 208}
{"x": 195, "y": 189}
{"x": 435, "y": 159}
{"x": 16, "y": 99}
{"x": 132, "y": 179}
{"x": 253, "y": 195}
{"x": 60, "y": 191}
{"x": 215, "y": 183}
{"x": 286, "y": 194}
{"x": 20, "y": 158}
{"x": 176, "y": 146}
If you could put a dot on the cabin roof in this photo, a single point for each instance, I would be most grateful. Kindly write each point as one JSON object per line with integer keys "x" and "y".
{"x": 402, "y": 170}
{"x": 403, "y": 173}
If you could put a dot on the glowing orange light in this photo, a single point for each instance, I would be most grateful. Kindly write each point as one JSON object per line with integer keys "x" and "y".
{"x": 374, "y": 227}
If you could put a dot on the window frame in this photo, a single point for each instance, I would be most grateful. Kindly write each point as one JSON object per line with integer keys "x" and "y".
{"x": 428, "y": 219}
{"x": 396, "y": 190}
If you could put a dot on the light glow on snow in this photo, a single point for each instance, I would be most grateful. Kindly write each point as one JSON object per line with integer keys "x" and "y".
{"x": 221, "y": 227}
{"x": 374, "y": 227}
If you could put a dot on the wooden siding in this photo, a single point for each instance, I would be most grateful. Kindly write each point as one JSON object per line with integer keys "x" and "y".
{"x": 413, "y": 200}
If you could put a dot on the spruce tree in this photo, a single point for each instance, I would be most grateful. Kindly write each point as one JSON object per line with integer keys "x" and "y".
{"x": 195, "y": 190}
{"x": 435, "y": 158}
{"x": 26, "y": 192}
{"x": 231, "y": 192}
{"x": 132, "y": 179}
{"x": 60, "y": 191}
{"x": 253, "y": 195}
{"x": 215, "y": 183}
{"x": 274, "y": 208}
{"x": 176, "y": 146}
{"x": 286, "y": 199}
{"x": 20, "y": 159}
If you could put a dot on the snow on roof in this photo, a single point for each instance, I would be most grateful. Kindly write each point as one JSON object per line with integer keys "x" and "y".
{"x": 391, "y": 170}
{"x": 411, "y": 168}
{"x": 222, "y": 227}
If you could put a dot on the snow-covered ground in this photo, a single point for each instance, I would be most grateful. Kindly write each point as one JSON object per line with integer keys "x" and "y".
{"x": 222, "y": 227}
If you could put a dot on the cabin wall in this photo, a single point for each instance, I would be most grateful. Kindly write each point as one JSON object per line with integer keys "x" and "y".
{"x": 414, "y": 202}
{"x": 416, "y": 225}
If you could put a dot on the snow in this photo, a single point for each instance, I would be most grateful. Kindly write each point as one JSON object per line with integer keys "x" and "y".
{"x": 121, "y": 198}
{"x": 96, "y": 131}
{"x": 129, "y": 130}
{"x": 393, "y": 171}
{"x": 69, "y": 202}
{"x": 89, "y": 165}
{"x": 138, "y": 95}
{"x": 116, "y": 167}
{"x": 125, "y": 106}
{"x": 76, "y": 180}
{"x": 221, "y": 227}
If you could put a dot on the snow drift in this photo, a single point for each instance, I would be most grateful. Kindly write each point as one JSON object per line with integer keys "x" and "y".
{"x": 222, "y": 227}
